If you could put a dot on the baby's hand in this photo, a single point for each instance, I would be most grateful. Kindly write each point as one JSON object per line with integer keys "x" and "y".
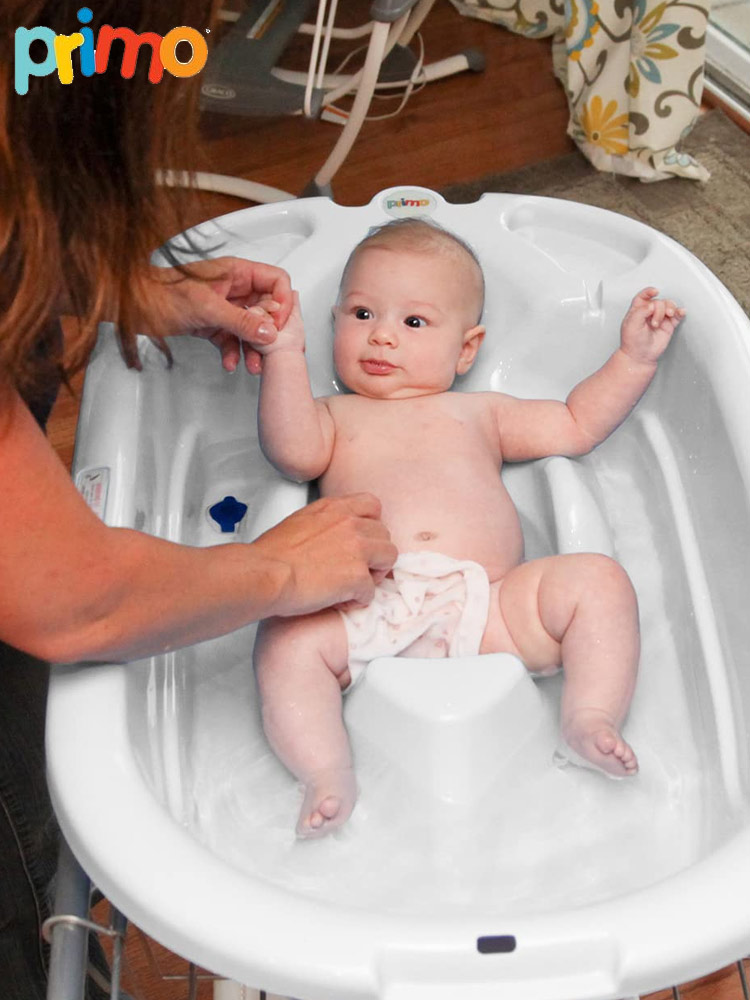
{"x": 648, "y": 326}
{"x": 291, "y": 337}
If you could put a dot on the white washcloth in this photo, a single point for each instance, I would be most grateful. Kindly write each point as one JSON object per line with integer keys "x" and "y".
{"x": 431, "y": 606}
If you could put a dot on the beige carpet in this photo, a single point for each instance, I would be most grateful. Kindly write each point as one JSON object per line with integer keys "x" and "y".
{"x": 712, "y": 220}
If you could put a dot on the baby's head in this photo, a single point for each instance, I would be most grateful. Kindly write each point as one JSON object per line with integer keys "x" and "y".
{"x": 417, "y": 236}
{"x": 408, "y": 311}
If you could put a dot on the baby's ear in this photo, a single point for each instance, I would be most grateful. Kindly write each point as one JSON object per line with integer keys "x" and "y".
{"x": 472, "y": 342}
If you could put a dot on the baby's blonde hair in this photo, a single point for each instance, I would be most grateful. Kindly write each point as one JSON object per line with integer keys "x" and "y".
{"x": 419, "y": 235}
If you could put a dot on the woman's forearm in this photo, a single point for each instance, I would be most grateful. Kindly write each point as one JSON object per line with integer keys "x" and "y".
{"x": 126, "y": 595}
{"x": 72, "y": 588}
{"x": 144, "y": 595}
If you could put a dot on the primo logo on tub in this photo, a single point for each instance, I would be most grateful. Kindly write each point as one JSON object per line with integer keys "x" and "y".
{"x": 92, "y": 60}
{"x": 409, "y": 202}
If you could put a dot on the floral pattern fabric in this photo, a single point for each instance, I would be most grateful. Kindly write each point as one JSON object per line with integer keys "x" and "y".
{"x": 632, "y": 71}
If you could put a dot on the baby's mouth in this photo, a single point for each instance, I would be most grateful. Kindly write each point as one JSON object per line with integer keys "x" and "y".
{"x": 375, "y": 366}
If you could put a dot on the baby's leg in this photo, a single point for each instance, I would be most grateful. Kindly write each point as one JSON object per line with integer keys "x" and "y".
{"x": 301, "y": 667}
{"x": 579, "y": 610}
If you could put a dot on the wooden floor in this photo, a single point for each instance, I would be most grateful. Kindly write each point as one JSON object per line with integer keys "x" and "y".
{"x": 511, "y": 115}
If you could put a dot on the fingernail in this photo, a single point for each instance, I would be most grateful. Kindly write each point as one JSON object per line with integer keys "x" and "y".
{"x": 265, "y": 330}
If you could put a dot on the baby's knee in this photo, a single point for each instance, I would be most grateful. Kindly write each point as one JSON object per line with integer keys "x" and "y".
{"x": 606, "y": 576}
{"x": 286, "y": 647}
{"x": 280, "y": 645}
{"x": 269, "y": 640}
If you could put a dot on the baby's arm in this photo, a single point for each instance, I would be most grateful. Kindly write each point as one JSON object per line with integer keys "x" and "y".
{"x": 296, "y": 431}
{"x": 599, "y": 404}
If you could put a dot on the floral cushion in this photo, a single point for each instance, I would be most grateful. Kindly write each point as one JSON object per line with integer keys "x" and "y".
{"x": 632, "y": 71}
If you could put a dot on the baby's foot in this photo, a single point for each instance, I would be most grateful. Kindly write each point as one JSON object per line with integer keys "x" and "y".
{"x": 592, "y": 740}
{"x": 329, "y": 799}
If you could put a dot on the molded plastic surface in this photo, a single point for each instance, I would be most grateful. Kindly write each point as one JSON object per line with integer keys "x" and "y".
{"x": 451, "y": 726}
{"x": 464, "y": 830}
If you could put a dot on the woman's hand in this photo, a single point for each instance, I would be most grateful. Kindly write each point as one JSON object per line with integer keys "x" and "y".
{"x": 236, "y": 304}
{"x": 336, "y": 551}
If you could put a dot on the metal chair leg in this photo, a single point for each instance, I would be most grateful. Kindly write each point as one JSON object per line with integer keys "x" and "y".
{"x": 68, "y": 929}
{"x": 69, "y": 938}
{"x": 743, "y": 979}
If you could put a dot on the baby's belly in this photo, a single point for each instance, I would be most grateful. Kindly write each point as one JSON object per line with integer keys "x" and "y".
{"x": 458, "y": 507}
{"x": 491, "y": 538}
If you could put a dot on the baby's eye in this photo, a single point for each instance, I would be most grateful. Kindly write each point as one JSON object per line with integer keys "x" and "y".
{"x": 415, "y": 321}
{"x": 361, "y": 313}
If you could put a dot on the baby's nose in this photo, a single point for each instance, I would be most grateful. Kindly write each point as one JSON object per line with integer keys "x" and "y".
{"x": 383, "y": 333}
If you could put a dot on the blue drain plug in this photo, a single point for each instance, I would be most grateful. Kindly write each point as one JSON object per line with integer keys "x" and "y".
{"x": 228, "y": 513}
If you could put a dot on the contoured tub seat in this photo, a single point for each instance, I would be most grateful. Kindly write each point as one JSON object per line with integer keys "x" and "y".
{"x": 471, "y": 863}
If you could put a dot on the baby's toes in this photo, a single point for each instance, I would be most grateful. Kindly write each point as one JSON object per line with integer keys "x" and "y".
{"x": 319, "y": 819}
{"x": 329, "y": 808}
{"x": 326, "y": 808}
{"x": 313, "y": 825}
{"x": 625, "y": 754}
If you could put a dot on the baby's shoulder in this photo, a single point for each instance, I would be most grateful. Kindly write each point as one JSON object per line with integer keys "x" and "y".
{"x": 492, "y": 399}
{"x": 494, "y": 407}
{"x": 343, "y": 408}
{"x": 338, "y": 402}
{"x": 482, "y": 401}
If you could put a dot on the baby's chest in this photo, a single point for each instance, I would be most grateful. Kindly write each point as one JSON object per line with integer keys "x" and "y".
{"x": 415, "y": 433}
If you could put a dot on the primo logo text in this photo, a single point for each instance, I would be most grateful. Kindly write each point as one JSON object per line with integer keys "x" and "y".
{"x": 93, "y": 60}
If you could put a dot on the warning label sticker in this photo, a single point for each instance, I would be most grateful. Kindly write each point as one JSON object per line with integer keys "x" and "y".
{"x": 93, "y": 485}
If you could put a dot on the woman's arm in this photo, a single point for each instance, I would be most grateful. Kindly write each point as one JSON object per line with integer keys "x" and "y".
{"x": 72, "y": 588}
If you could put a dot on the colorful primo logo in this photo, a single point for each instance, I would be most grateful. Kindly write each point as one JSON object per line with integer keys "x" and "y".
{"x": 407, "y": 201}
{"x": 95, "y": 59}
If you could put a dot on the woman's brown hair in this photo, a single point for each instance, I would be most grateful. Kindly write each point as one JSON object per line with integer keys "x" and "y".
{"x": 80, "y": 208}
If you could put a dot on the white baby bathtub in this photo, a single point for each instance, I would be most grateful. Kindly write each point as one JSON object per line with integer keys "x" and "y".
{"x": 471, "y": 863}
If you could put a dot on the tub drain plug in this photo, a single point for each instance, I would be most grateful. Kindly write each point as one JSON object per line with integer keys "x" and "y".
{"x": 228, "y": 513}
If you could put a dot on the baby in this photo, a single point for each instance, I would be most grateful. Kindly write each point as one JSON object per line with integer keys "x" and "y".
{"x": 407, "y": 321}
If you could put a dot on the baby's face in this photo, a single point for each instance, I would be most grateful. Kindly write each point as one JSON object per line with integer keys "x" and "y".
{"x": 406, "y": 322}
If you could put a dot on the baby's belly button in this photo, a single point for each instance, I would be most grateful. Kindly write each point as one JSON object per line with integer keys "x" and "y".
{"x": 425, "y": 536}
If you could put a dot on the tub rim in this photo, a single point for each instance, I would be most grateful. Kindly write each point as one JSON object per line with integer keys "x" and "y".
{"x": 702, "y": 905}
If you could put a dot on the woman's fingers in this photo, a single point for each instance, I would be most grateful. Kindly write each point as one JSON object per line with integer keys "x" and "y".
{"x": 250, "y": 282}
{"x": 361, "y": 504}
{"x": 229, "y": 348}
{"x": 253, "y": 360}
{"x": 331, "y": 548}
{"x": 247, "y": 299}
